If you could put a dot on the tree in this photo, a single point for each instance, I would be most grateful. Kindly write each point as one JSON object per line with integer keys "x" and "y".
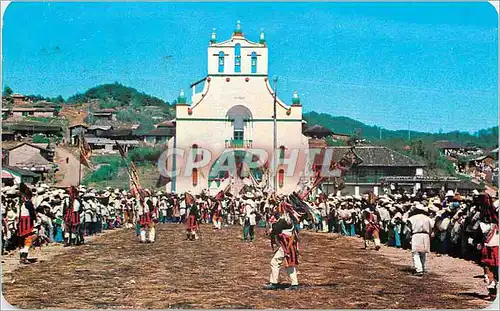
{"x": 7, "y": 91}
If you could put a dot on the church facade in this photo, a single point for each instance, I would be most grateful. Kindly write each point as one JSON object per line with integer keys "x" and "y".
{"x": 231, "y": 111}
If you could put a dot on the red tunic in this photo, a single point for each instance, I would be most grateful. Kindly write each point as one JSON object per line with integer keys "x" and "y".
{"x": 145, "y": 219}
{"x": 373, "y": 224}
{"x": 25, "y": 226}
{"x": 191, "y": 223}
{"x": 290, "y": 247}
{"x": 489, "y": 255}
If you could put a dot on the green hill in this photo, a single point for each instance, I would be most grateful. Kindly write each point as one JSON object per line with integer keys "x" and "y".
{"x": 485, "y": 138}
{"x": 132, "y": 106}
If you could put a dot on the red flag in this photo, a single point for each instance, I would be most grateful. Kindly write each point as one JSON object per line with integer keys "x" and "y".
{"x": 85, "y": 152}
{"x": 189, "y": 199}
{"x": 219, "y": 195}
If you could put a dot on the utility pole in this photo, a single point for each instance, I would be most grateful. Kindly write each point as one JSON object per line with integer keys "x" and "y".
{"x": 409, "y": 136}
{"x": 380, "y": 133}
{"x": 174, "y": 168}
{"x": 275, "y": 140}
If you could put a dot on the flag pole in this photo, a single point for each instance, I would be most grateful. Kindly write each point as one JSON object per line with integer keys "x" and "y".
{"x": 80, "y": 163}
{"x": 275, "y": 136}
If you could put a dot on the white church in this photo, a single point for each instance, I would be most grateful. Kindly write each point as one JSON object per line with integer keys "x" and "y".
{"x": 231, "y": 110}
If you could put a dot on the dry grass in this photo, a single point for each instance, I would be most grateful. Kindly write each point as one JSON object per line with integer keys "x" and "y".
{"x": 221, "y": 271}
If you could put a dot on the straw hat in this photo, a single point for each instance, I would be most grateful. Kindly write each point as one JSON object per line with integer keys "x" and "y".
{"x": 420, "y": 207}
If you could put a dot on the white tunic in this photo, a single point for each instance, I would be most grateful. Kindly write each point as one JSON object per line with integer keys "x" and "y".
{"x": 421, "y": 226}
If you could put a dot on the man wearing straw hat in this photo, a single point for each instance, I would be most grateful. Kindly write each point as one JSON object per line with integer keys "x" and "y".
{"x": 421, "y": 229}
{"x": 250, "y": 217}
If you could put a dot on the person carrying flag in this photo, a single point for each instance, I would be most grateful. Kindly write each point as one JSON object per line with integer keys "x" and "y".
{"x": 72, "y": 220}
{"x": 284, "y": 234}
{"x": 192, "y": 217}
{"x": 146, "y": 216}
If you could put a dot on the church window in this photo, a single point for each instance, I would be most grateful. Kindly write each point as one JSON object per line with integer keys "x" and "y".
{"x": 238, "y": 134}
{"x": 282, "y": 152}
{"x": 237, "y": 58}
{"x": 221, "y": 61}
{"x": 197, "y": 156}
{"x": 281, "y": 178}
{"x": 254, "y": 62}
{"x": 194, "y": 177}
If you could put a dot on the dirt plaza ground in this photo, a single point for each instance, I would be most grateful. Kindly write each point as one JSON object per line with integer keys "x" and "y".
{"x": 220, "y": 270}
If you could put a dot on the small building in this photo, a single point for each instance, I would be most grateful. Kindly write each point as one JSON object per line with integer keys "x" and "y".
{"x": 7, "y": 136}
{"x": 105, "y": 140}
{"x": 31, "y": 157}
{"x": 17, "y": 99}
{"x": 486, "y": 160}
{"x": 376, "y": 162}
{"x": 482, "y": 167}
{"x": 75, "y": 131}
{"x": 109, "y": 145}
{"x": 14, "y": 175}
{"x": 161, "y": 134}
{"x": 317, "y": 131}
{"x": 455, "y": 149}
{"x": 104, "y": 114}
{"x": 97, "y": 130}
{"x": 30, "y": 128}
{"x": 47, "y": 112}
{"x": 119, "y": 134}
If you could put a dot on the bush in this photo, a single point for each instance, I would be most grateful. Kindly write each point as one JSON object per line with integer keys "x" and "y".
{"x": 144, "y": 154}
{"x": 108, "y": 169}
{"x": 40, "y": 139}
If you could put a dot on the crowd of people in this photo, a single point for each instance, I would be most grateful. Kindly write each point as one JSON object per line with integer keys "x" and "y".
{"x": 447, "y": 223}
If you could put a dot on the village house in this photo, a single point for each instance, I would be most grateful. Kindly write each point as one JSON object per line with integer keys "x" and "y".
{"x": 20, "y": 112}
{"x": 14, "y": 175}
{"x": 104, "y": 114}
{"x": 31, "y": 157}
{"x": 103, "y": 138}
{"x": 161, "y": 133}
{"x": 25, "y": 129}
{"x": 377, "y": 162}
{"x": 482, "y": 167}
{"x": 75, "y": 131}
{"x": 7, "y": 136}
{"x": 455, "y": 150}
{"x": 17, "y": 99}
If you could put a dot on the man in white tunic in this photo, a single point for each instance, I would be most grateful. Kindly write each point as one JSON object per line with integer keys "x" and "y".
{"x": 421, "y": 229}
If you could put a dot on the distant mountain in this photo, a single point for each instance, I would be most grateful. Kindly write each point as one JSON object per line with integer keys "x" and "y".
{"x": 485, "y": 138}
